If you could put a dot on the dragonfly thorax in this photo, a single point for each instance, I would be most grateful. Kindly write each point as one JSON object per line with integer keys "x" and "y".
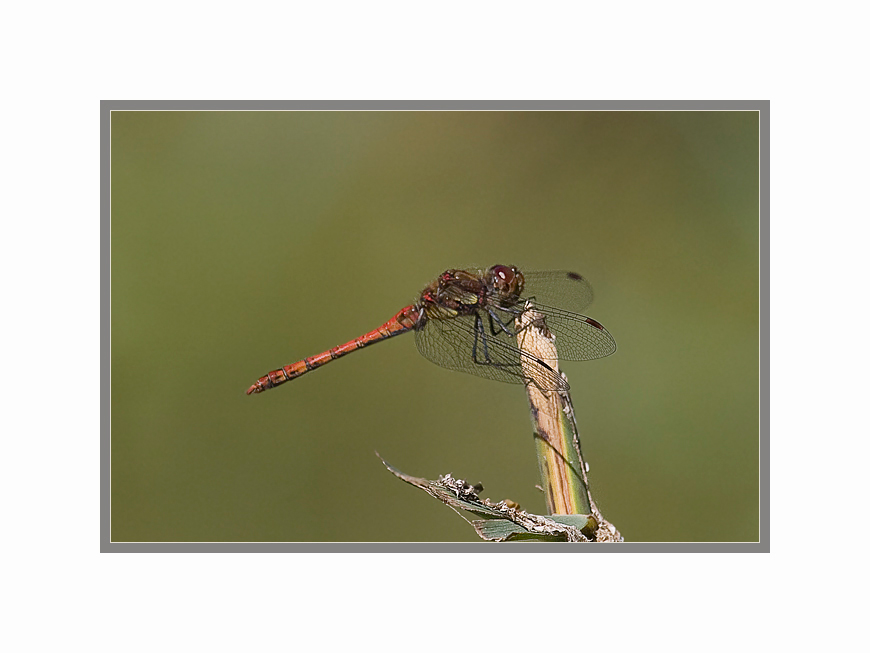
{"x": 464, "y": 292}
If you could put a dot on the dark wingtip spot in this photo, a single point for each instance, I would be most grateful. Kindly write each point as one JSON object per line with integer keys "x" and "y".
{"x": 597, "y": 325}
{"x": 574, "y": 276}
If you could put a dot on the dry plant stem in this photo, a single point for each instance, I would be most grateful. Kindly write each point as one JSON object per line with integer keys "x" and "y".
{"x": 563, "y": 471}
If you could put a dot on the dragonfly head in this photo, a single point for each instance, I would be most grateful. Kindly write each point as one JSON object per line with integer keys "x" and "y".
{"x": 507, "y": 280}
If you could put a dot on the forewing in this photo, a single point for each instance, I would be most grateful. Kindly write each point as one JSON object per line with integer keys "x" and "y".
{"x": 561, "y": 296}
{"x": 578, "y": 338}
{"x": 457, "y": 344}
{"x": 567, "y": 290}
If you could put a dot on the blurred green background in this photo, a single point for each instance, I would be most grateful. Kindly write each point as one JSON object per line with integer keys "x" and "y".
{"x": 243, "y": 241}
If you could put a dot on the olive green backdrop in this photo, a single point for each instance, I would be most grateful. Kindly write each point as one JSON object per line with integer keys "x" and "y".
{"x": 245, "y": 241}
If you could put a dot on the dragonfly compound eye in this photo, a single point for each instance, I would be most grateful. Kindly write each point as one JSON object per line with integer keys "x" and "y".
{"x": 506, "y": 279}
{"x": 503, "y": 273}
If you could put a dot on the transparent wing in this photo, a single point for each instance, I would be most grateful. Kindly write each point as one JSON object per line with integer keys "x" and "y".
{"x": 560, "y": 296}
{"x": 578, "y": 338}
{"x": 567, "y": 290}
{"x": 477, "y": 346}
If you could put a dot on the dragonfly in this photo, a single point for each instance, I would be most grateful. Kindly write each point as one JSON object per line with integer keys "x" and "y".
{"x": 466, "y": 320}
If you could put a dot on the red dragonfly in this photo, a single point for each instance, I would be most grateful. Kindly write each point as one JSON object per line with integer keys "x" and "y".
{"x": 465, "y": 321}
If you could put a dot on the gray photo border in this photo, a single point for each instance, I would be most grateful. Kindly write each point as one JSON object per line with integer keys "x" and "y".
{"x": 107, "y": 106}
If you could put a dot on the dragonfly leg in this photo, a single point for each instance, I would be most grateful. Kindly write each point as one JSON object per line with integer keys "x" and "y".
{"x": 502, "y": 327}
{"x": 479, "y": 336}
